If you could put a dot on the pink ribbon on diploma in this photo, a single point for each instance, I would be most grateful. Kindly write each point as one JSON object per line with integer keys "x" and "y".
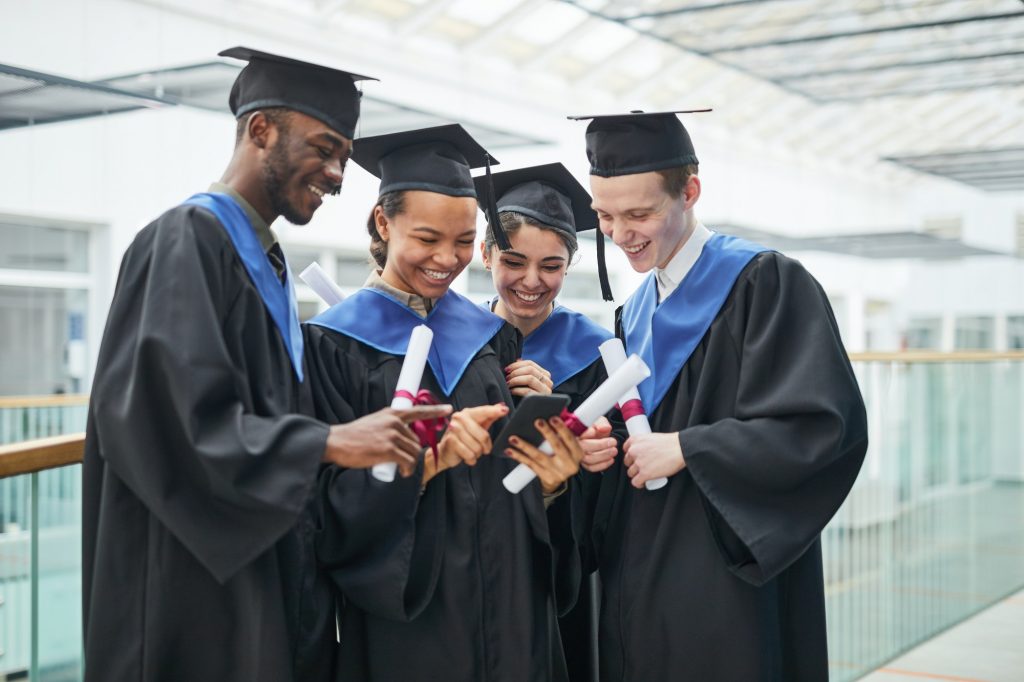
{"x": 572, "y": 422}
{"x": 631, "y": 408}
{"x": 427, "y": 430}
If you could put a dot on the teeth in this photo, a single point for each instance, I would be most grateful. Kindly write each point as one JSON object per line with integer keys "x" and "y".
{"x": 635, "y": 249}
{"x": 316, "y": 190}
{"x": 437, "y": 274}
{"x": 529, "y": 298}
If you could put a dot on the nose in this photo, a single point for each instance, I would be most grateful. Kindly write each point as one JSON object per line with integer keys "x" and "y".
{"x": 531, "y": 278}
{"x": 611, "y": 227}
{"x": 446, "y": 258}
{"x": 333, "y": 171}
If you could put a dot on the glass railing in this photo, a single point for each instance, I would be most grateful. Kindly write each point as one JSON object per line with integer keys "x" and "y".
{"x": 40, "y": 548}
{"x": 932, "y": 532}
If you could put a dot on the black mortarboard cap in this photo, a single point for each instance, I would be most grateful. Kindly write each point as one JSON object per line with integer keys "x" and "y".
{"x": 552, "y": 196}
{"x": 437, "y": 159}
{"x": 269, "y": 80}
{"x": 637, "y": 142}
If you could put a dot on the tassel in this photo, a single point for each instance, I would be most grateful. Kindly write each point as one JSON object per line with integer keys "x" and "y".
{"x": 500, "y": 238}
{"x": 602, "y": 268}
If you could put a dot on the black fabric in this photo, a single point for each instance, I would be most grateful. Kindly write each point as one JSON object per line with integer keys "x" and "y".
{"x": 269, "y": 80}
{"x": 637, "y": 143}
{"x": 461, "y": 584}
{"x": 718, "y": 575}
{"x": 437, "y": 159}
{"x": 548, "y": 193}
{"x": 578, "y": 624}
{"x": 198, "y": 477}
{"x": 276, "y": 257}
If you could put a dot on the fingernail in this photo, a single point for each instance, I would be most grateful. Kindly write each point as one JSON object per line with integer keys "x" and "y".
{"x": 556, "y": 420}
{"x": 514, "y": 440}
{"x": 508, "y": 451}
{"x": 539, "y": 423}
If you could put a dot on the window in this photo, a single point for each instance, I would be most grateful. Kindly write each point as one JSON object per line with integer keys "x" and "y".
{"x": 38, "y": 247}
{"x": 924, "y": 334}
{"x": 44, "y": 301}
{"x": 974, "y": 333}
{"x": 1015, "y": 332}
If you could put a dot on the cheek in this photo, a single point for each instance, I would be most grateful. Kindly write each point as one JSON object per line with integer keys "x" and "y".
{"x": 553, "y": 280}
{"x": 503, "y": 277}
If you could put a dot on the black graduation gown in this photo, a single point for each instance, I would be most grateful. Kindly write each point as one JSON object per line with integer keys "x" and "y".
{"x": 576, "y": 626}
{"x": 718, "y": 576}
{"x": 458, "y": 584}
{"x": 198, "y": 477}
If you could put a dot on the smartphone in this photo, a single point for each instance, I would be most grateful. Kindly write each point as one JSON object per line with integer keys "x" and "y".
{"x": 531, "y": 408}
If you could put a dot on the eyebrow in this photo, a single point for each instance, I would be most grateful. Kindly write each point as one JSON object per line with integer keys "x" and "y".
{"x": 438, "y": 233}
{"x": 332, "y": 139}
{"x": 516, "y": 254}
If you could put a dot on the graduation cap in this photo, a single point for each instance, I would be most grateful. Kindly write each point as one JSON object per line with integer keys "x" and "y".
{"x": 437, "y": 159}
{"x": 553, "y": 197}
{"x": 270, "y": 80}
{"x": 637, "y": 142}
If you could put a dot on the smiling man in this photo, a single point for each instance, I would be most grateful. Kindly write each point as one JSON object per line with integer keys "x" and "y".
{"x": 199, "y": 464}
{"x": 758, "y": 423}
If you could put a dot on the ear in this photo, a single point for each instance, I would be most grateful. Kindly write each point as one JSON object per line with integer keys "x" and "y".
{"x": 260, "y": 130}
{"x": 692, "y": 191}
{"x": 485, "y": 255}
{"x": 381, "y": 222}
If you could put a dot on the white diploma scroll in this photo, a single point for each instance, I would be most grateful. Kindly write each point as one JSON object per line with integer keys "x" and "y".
{"x": 408, "y": 385}
{"x": 321, "y": 283}
{"x": 613, "y": 354}
{"x": 629, "y": 374}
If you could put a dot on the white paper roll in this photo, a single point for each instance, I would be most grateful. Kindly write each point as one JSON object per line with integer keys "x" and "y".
{"x": 408, "y": 381}
{"x": 321, "y": 283}
{"x": 614, "y": 354}
{"x": 630, "y": 373}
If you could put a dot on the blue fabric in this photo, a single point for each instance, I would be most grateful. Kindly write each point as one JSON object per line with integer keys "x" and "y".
{"x": 665, "y": 335}
{"x": 460, "y": 329}
{"x": 278, "y": 297}
{"x": 565, "y": 344}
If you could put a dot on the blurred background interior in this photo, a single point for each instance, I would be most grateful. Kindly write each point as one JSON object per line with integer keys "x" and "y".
{"x": 880, "y": 142}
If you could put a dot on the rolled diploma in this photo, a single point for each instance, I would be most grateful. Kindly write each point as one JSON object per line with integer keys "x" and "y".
{"x": 321, "y": 283}
{"x": 408, "y": 380}
{"x": 613, "y": 354}
{"x": 631, "y": 373}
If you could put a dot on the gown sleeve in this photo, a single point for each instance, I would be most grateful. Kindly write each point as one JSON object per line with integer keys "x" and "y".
{"x": 170, "y": 404}
{"x": 773, "y": 474}
{"x": 381, "y": 543}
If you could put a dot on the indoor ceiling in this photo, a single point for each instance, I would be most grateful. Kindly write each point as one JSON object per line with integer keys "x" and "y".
{"x": 862, "y": 83}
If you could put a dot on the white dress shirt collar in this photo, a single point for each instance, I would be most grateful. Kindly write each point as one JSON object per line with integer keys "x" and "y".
{"x": 671, "y": 275}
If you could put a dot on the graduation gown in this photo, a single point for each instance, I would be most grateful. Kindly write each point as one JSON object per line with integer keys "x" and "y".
{"x": 576, "y": 374}
{"x": 199, "y": 471}
{"x": 718, "y": 575}
{"x": 458, "y": 583}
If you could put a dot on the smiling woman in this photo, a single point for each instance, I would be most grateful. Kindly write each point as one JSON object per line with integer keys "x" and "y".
{"x": 435, "y": 553}
{"x": 432, "y": 236}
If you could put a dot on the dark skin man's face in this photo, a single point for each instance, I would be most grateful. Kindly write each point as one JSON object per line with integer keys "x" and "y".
{"x": 304, "y": 162}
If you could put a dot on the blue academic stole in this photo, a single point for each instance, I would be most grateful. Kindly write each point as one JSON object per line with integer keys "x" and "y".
{"x": 565, "y": 344}
{"x": 278, "y": 298}
{"x": 374, "y": 318}
{"x": 665, "y": 335}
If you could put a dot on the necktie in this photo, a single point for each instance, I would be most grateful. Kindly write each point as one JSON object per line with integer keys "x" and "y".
{"x": 276, "y": 257}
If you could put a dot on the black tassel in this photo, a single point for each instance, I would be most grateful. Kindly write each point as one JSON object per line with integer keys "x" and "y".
{"x": 602, "y": 269}
{"x": 500, "y": 238}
